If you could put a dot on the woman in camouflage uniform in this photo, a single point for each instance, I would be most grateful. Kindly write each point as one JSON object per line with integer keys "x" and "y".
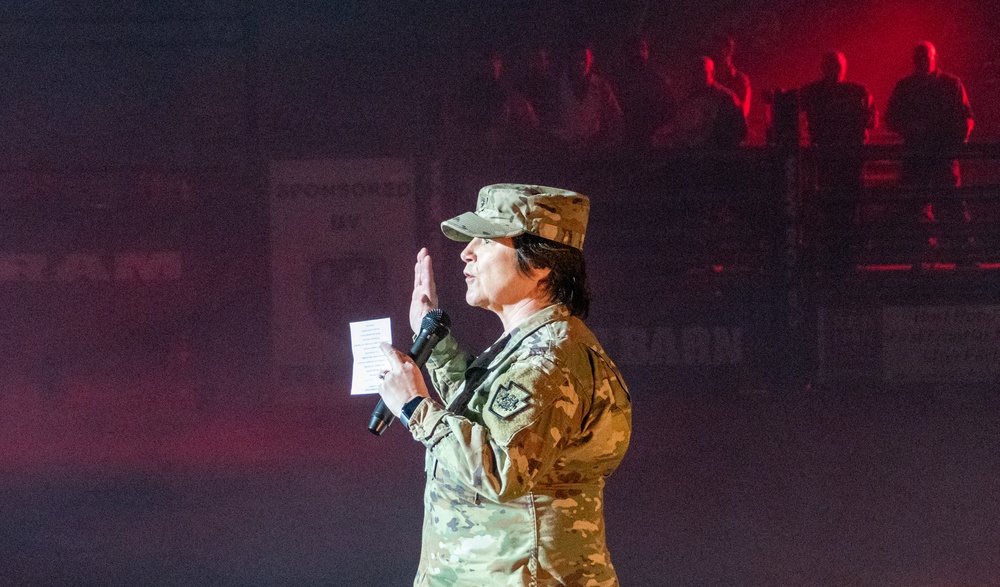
{"x": 524, "y": 435}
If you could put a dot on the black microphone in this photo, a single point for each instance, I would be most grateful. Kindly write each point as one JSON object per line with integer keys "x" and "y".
{"x": 434, "y": 327}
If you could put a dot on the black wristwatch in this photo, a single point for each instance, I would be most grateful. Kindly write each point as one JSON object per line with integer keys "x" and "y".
{"x": 406, "y": 412}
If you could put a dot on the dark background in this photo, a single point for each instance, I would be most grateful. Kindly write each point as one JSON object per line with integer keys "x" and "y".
{"x": 142, "y": 444}
{"x": 140, "y": 81}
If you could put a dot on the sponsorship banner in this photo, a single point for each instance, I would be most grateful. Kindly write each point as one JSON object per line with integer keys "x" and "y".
{"x": 693, "y": 345}
{"x": 687, "y": 346}
{"x": 941, "y": 343}
{"x": 102, "y": 270}
{"x": 342, "y": 250}
{"x": 909, "y": 344}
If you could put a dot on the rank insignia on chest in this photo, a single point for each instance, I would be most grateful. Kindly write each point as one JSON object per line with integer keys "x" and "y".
{"x": 509, "y": 400}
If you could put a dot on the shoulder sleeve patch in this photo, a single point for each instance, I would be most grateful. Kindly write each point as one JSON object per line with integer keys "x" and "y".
{"x": 509, "y": 400}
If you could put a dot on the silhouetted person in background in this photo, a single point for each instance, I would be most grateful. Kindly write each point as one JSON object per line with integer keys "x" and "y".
{"x": 838, "y": 112}
{"x": 726, "y": 74}
{"x": 589, "y": 112}
{"x": 930, "y": 110}
{"x": 487, "y": 108}
{"x": 838, "y": 116}
{"x": 708, "y": 116}
{"x": 539, "y": 83}
{"x": 642, "y": 92}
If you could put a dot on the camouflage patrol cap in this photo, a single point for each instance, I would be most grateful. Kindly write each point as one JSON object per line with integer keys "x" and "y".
{"x": 511, "y": 209}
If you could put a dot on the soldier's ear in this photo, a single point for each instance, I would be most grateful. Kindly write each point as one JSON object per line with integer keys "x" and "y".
{"x": 542, "y": 275}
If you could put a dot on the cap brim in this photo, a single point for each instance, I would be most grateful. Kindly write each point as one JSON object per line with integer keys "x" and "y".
{"x": 467, "y": 226}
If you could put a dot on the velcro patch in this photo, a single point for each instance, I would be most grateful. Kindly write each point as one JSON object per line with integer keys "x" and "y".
{"x": 509, "y": 401}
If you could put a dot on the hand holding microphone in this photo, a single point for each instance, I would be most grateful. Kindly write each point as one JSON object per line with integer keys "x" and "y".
{"x": 404, "y": 381}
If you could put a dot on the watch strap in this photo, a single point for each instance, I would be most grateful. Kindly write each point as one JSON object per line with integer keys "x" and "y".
{"x": 406, "y": 412}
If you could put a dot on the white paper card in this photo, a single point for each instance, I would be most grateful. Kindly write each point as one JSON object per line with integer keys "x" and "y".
{"x": 369, "y": 362}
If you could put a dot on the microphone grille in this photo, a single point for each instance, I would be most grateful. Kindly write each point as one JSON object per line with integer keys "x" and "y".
{"x": 435, "y": 319}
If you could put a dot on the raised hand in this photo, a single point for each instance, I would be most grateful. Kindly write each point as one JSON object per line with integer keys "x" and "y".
{"x": 424, "y": 298}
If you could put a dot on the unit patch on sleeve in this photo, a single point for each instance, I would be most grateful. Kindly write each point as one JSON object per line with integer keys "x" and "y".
{"x": 509, "y": 400}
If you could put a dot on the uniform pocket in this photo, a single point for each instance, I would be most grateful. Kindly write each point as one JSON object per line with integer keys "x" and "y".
{"x": 448, "y": 484}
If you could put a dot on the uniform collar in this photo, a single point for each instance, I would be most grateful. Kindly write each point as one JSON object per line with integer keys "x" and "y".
{"x": 529, "y": 325}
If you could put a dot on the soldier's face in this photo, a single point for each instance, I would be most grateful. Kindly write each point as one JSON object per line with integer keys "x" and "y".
{"x": 491, "y": 277}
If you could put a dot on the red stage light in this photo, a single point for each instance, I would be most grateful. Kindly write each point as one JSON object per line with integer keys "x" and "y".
{"x": 886, "y": 267}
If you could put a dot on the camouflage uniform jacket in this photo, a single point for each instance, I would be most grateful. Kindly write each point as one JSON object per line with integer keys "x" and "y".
{"x": 515, "y": 478}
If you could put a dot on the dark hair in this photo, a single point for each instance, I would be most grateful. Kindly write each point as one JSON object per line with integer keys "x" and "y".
{"x": 567, "y": 279}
